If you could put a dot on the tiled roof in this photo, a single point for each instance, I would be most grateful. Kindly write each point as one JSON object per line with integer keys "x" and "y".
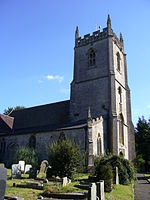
{"x": 6, "y": 124}
{"x": 41, "y": 118}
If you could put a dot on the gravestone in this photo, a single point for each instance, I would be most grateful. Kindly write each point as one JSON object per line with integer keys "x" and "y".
{"x": 100, "y": 190}
{"x": 32, "y": 173}
{"x": 3, "y": 178}
{"x": 2, "y": 165}
{"x": 22, "y": 163}
{"x": 117, "y": 176}
{"x": 43, "y": 166}
{"x": 64, "y": 181}
{"x": 27, "y": 169}
{"x": 16, "y": 171}
{"x": 92, "y": 193}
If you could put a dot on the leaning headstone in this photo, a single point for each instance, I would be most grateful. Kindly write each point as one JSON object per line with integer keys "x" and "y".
{"x": 43, "y": 166}
{"x": 92, "y": 193}
{"x": 117, "y": 176}
{"x": 100, "y": 190}
{"x": 16, "y": 171}
{"x": 22, "y": 163}
{"x": 64, "y": 181}
{"x": 3, "y": 178}
{"x": 27, "y": 169}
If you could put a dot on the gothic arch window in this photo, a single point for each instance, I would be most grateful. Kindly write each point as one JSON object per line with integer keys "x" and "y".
{"x": 118, "y": 61}
{"x": 32, "y": 142}
{"x": 62, "y": 136}
{"x": 121, "y": 129}
{"x": 91, "y": 57}
{"x": 120, "y": 94}
{"x": 99, "y": 145}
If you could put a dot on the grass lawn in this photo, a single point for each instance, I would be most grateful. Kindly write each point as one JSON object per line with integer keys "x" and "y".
{"x": 121, "y": 192}
{"x": 20, "y": 192}
{"x": 148, "y": 177}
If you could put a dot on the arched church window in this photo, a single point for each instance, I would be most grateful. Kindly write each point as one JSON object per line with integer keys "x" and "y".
{"x": 118, "y": 61}
{"x": 32, "y": 142}
{"x": 120, "y": 94}
{"x": 92, "y": 59}
{"x": 62, "y": 136}
{"x": 99, "y": 145}
{"x": 121, "y": 129}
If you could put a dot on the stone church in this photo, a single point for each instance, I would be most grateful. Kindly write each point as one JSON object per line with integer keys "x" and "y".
{"x": 97, "y": 116}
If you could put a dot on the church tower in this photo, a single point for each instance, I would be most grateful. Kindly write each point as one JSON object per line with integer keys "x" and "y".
{"x": 100, "y": 82}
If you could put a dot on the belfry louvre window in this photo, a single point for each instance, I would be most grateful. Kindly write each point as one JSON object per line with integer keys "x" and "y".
{"x": 118, "y": 61}
{"x": 92, "y": 60}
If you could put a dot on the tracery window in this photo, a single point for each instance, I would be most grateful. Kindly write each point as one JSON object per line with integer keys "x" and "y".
{"x": 92, "y": 59}
{"x": 32, "y": 142}
{"x": 118, "y": 61}
{"x": 121, "y": 129}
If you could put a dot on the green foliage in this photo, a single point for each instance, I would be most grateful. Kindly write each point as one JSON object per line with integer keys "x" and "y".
{"x": 142, "y": 138}
{"x": 105, "y": 173}
{"x": 140, "y": 163}
{"x": 10, "y": 109}
{"x": 28, "y": 155}
{"x": 64, "y": 158}
{"x": 125, "y": 168}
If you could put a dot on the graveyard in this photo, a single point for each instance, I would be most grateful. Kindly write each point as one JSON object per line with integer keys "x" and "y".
{"x": 24, "y": 187}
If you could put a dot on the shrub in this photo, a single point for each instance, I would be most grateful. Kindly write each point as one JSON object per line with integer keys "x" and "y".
{"x": 64, "y": 158}
{"x": 28, "y": 155}
{"x": 140, "y": 163}
{"x": 104, "y": 172}
{"x": 125, "y": 168}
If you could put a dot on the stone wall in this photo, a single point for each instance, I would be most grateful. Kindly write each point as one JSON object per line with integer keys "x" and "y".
{"x": 43, "y": 140}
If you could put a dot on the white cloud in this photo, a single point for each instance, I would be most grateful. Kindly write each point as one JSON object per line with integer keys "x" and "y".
{"x": 148, "y": 106}
{"x": 57, "y": 77}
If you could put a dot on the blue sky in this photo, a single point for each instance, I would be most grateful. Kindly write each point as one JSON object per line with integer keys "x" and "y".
{"x": 37, "y": 41}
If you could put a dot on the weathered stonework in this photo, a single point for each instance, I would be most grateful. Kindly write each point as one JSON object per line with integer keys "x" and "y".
{"x": 98, "y": 115}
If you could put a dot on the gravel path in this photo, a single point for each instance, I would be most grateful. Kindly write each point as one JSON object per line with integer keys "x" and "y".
{"x": 142, "y": 188}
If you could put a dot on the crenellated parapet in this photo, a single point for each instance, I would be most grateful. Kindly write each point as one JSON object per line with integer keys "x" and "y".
{"x": 98, "y": 35}
{"x": 87, "y": 39}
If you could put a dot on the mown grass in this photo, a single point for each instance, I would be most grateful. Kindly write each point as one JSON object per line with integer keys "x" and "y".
{"x": 121, "y": 192}
{"x": 25, "y": 193}
{"x": 147, "y": 177}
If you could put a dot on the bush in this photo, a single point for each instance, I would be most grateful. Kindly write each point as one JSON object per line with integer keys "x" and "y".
{"x": 125, "y": 168}
{"x": 64, "y": 158}
{"x": 105, "y": 173}
{"x": 28, "y": 155}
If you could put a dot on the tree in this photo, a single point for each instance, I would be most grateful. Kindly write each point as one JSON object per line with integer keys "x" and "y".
{"x": 142, "y": 138}
{"x": 10, "y": 109}
{"x": 28, "y": 155}
{"x": 64, "y": 158}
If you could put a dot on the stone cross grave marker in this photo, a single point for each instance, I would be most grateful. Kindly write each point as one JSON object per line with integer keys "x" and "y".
{"x": 27, "y": 168}
{"x": 16, "y": 171}
{"x": 22, "y": 163}
{"x": 117, "y": 176}
{"x": 3, "y": 178}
